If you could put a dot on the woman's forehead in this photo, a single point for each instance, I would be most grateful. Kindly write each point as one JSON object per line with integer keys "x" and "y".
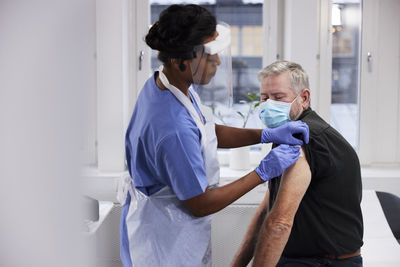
{"x": 211, "y": 38}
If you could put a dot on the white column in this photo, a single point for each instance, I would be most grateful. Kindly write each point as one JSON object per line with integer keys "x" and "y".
{"x": 302, "y": 40}
{"x": 110, "y": 85}
{"x": 272, "y": 31}
{"x": 324, "y": 70}
{"x": 121, "y": 28}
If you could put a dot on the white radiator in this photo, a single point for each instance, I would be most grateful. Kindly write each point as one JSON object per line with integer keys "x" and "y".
{"x": 227, "y": 231}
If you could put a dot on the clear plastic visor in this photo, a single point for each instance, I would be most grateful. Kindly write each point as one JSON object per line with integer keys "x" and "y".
{"x": 212, "y": 69}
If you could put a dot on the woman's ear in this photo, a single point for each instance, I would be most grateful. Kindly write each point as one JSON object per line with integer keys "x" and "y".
{"x": 179, "y": 64}
{"x": 182, "y": 65}
{"x": 174, "y": 63}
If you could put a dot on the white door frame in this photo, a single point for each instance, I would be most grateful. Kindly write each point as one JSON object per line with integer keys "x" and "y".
{"x": 380, "y": 84}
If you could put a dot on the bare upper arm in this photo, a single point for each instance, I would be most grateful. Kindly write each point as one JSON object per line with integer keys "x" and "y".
{"x": 294, "y": 183}
{"x": 265, "y": 203}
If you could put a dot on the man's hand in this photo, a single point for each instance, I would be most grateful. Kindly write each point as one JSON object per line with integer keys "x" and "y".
{"x": 284, "y": 134}
{"x": 277, "y": 160}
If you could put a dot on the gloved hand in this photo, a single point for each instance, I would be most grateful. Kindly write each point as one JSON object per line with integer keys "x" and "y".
{"x": 277, "y": 160}
{"x": 284, "y": 134}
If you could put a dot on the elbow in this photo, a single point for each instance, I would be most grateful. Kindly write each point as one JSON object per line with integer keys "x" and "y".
{"x": 197, "y": 213}
{"x": 203, "y": 210}
{"x": 279, "y": 227}
{"x": 200, "y": 213}
{"x": 204, "y": 204}
{"x": 198, "y": 210}
{"x": 201, "y": 205}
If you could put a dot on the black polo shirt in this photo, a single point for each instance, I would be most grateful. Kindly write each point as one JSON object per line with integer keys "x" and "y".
{"x": 329, "y": 219}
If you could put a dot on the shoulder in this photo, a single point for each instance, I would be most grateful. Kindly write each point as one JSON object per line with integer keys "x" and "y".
{"x": 322, "y": 134}
{"x": 315, "y": 123}
{"x": 320, "y": 131}
{"x": 159, "y": 115}
{"x": 327, "y": 148}
{"x": 317, "y": 152}
{"x": 161, "y": 110}
{"x": 181, "y": 134}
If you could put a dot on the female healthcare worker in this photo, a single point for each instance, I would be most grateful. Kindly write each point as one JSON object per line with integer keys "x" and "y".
{"x": 171, "y": 148}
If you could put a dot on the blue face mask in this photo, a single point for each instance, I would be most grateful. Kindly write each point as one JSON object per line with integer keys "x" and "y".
{"x": 275, "y": 113}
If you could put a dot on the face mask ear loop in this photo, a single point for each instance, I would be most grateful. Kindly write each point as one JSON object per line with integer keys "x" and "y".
{"x": 295, "y": 98}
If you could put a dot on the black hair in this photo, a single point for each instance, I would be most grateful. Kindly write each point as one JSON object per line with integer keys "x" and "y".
{"x": 179, "y": 29}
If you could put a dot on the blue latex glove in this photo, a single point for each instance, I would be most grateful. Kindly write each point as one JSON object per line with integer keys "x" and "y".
{"x": 284, "y": 134}
{"x": 277, "y": 160}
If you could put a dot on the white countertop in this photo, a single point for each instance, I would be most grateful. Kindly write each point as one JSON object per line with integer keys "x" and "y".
{"x": 103, "y": 185}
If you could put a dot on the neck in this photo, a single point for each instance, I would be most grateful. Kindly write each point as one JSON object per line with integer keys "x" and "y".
{"x": 176, "y": 79}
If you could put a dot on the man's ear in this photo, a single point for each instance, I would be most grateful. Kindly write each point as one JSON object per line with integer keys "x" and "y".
{"x": 305, "y": 97}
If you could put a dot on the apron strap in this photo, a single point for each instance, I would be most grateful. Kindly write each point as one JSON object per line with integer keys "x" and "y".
{"x": 125, "y": 185}
{"x": 182, "y": 98}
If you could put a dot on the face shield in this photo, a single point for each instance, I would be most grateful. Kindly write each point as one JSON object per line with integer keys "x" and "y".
{"x": 212, "y": 69}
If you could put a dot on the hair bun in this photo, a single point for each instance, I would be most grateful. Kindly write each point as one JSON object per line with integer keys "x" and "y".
{"x": 153, "y": 37}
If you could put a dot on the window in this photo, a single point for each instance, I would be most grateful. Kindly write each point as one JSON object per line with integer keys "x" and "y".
{"x": 346, "y": 23}
{"x": 245, "y": 19}
{"x": 119, "y": 43}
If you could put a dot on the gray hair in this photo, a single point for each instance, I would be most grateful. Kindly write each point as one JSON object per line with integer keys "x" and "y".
{"x": 298, "y": 77}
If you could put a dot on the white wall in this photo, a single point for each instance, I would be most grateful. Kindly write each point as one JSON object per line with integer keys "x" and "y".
{"x": 45, "y": 69}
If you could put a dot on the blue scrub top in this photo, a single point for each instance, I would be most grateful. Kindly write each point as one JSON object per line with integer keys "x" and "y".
{"x": 163, "y": 145}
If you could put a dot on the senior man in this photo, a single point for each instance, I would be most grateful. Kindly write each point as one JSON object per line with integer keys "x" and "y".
{"x": 311, "y": 214}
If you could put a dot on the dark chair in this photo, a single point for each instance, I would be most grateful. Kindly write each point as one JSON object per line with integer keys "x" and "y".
{"x": 391, "y": 208}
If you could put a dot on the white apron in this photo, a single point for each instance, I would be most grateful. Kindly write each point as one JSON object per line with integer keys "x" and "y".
{"x": 161, "y": 230}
